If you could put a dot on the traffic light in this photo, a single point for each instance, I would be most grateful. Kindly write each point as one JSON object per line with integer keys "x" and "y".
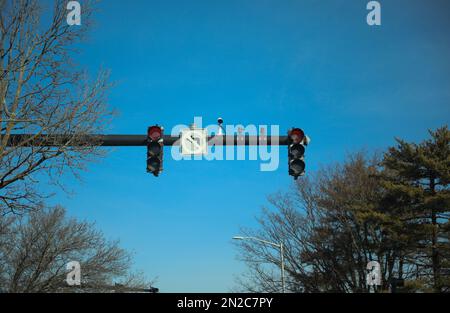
{"x": 296, "y": 152}
{"x": 155, "y": 149}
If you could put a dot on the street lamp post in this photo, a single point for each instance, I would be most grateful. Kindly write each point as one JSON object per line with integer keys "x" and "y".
{"x": 279, "y": 246}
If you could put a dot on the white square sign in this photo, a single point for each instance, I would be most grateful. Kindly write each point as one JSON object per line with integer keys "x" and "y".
{"x": 194, "y": 141}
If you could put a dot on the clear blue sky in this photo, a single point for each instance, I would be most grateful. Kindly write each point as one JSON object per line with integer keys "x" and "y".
{"x": 314, "y": 64}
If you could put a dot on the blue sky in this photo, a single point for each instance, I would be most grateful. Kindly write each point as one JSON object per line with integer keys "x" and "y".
{"x": 311, "y": 64}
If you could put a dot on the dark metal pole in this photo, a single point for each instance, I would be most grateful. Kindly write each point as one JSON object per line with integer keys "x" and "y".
{"x": 139, "y": 140}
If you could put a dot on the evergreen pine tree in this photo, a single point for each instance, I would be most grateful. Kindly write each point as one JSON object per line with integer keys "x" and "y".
{"x": 416, "y": 180}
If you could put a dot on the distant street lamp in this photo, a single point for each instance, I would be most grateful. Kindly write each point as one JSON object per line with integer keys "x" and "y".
{"x": 280, "y": 246}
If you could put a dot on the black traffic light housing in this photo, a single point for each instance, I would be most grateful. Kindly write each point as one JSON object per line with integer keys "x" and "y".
{"x": 296, "y": 152}
{"x": 155, "y": 145}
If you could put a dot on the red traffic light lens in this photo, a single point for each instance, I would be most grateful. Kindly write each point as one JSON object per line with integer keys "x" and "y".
{"x": 154, "y": 132}
{"x": 297, "y": 135}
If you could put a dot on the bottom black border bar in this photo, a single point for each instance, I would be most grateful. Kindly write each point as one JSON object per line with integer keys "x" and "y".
{"x": 217, "y": 302}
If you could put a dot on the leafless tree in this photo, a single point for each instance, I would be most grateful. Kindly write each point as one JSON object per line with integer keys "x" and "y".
{"x": 35, "y": 249}
{"x": 331, "y": 226}
{"x": 43, "y": 92}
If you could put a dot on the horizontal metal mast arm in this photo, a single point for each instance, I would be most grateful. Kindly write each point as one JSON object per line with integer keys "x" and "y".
{"x": 139, "y": 140}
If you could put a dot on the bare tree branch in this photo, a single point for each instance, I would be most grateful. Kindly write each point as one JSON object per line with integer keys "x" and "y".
{"x": 43, "y": 92}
